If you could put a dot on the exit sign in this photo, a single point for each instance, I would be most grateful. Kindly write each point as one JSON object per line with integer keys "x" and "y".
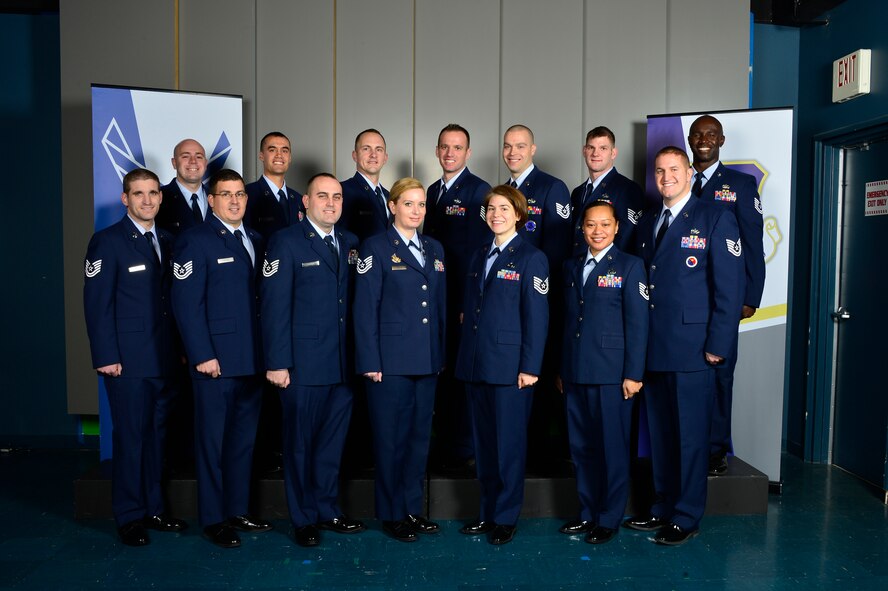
{"x": 851, "y": 76}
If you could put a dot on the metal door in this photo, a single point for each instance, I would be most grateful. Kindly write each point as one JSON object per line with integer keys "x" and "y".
{"x": 860, "y": 419}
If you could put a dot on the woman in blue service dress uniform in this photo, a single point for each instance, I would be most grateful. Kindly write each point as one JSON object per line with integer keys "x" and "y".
{"x": 505, "y": 321}
{"x": 399, "y": 338}
{"x": 602, "y": 365}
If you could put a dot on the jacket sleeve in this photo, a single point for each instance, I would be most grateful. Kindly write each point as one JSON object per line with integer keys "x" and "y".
{"x": 189, "y": 298}
{"x": 558, "y": 230}
{"x": 368, "y": 297}
{"x": 727, "y": 277}
{"x": 750, "y": 220}
{"x": 276, "y": 301}
{"x": 534, "y": 314}
{"x": 635, "y": 320}
{"x": 629, "y": 214}
{"x": 99, "y": 301}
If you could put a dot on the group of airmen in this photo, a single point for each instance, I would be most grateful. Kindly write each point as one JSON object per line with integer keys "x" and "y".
{"x": 458, "y": 301}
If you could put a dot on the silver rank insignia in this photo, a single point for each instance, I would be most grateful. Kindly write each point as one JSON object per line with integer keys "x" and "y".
{"x": 365, "y": 265}
{"x": 483, "y": 213}
{"x": 182, "y": 271}
{"x": 541, "y": 285}
{"x": 734, "y": 247}
{"x": 563, "y": 211}
{"x": 633, "y": 216}
{"x": 643, "y": 290}
{"x": 269, "y": 268}
{"x": 758, "y": 205}
{"x": 91, "y": 269}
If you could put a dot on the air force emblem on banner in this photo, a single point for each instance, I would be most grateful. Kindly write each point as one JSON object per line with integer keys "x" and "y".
{"x": 643, "y": 290}
{"x": 633, "y": 216}
{"x": 734, "y": 247}
{"x": 541, "y": 285}
{"x": 182, "y": 271}
{"x": 365, "y": 265}
{"x": 563, "y": 211}
{"x": 91, "y": 269}
{"x": 269, "y": 268}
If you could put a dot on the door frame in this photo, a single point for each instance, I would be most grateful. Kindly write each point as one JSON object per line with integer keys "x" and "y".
{"x": 825, "y": 245}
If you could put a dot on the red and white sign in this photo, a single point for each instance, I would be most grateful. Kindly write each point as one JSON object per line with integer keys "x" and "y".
{"x": 876, "y": 198}
{"x": 851, "y": 76}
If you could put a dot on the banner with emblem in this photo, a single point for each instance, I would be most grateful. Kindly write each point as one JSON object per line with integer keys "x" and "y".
{"x": 758, "y": 142}
{"x": 138, "y": 128}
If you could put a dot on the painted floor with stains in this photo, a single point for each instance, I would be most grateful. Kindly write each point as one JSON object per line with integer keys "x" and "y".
{"x": 827, "y": 531}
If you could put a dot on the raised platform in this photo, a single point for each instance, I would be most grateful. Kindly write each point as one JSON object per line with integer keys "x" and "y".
{"x": 548, "y": 493}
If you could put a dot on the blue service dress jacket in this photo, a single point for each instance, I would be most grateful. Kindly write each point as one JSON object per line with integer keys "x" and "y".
{"x": 627, "y": 199}
{"x": 696, "y": 284}
{"x": 605, "y": 320}
{"x": 265, "y": 212}
{"x": 175, "y": 214}
{"x": 305, "y": 304}
{"x": 215, "y": 298}
{"x": 126, "y": 300}
{"x": 548, "y": 225}
{"x": 506, "y": 315}
{"x": 399, "y": 307}
{"x": 738, "y": 191}
{"x": 363, "y": 213}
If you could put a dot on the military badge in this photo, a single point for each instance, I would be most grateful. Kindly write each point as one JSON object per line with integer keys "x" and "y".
{"x": 563, "y": 211}
{"x": 633, "y": 216}
{"x": 534, "y": 210}
{"x": 395, "y": 258}
{"x": 693, "y": 242}
{"x": 530, "y": 226}
{"x": 455, "y": 210}
{"x": 541, "y": 285}
{"x": 530, "y": 200}
{"x": 734, "y": 247}
{"x": 508, "y": 275}
{"x": 691, "y": 262}
{"x": 365, "y": 265}
{"x": 726, "y": 194}
{"x": 353, "y": 257}
{"x": 91, "y": 269}
{"x": 269, "y": 268}
{"x": 643, "y": 290}
{"x": 610, "y": 280}
{"x": 182, "y": 271}
{"x": 439, "y": 266}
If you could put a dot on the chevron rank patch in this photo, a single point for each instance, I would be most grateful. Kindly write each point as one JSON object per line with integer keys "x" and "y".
{"x": 633, "y": 216}
{"x": 734, "y": 247}
{"x": 365, "y": 265}
{"x": 182, "y": 271}
{"x": 563, "y": 211}
{"x": 91, "y": 269}
{"x": 758, "y": 205}
{"x": 541, "y": 285}
{"x": 269, "y": 268}
{"x": 483, "y": 213}
{"x": 643, "y": 290}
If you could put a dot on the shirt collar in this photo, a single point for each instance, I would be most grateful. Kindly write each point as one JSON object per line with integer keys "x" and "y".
{"x": 142, "y": 230}
{"x": 709, "y": 172}
{"x": 601, "y": 254}
{"x": 600, "y": 178}
{"x": 415, "y": 239}
{"x": 369, "y": 182}
{"x": 677, "y": 207}
{"x": 502, "y": 246}
{"x": 230, "y": 227}
{"x": 452, "y": 180}
{"x": 320, "y": 232}
{"x": 274, "y": 188}
{"x": 187, "y": 193}
{"x": 520, "y": 180}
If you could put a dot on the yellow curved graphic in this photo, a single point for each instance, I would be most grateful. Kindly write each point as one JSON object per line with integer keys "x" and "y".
{"x": 773, "y": 237}
{"x": 776, "y": 311}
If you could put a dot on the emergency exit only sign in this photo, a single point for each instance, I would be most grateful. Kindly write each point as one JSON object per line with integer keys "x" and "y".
{"x": 876, "y": 198}
{"x": 851, "y": 76}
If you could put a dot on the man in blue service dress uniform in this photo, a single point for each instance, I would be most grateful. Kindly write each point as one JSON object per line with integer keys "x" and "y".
{"x": 605, "y": 183}
{"x": 737, "y": 191}
{"x": 305, "y": 305}
{"x": 694, "y": 256}
{"x": 133, "y": 343}
{"x": 602, "y": 366}
{"x": 364, "y": 209}
{"x": 456, "y": 217}
{"x": 273, "y": 205}
{"x": 185, "y": 198}
{"x": 214, "y": 300}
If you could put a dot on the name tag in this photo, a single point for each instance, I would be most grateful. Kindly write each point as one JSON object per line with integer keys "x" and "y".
{"x": 311, "y": 264}
{"x": 399, "y": 267}
{"x": 137, "y": 268}
{"x": 225, "y": 260}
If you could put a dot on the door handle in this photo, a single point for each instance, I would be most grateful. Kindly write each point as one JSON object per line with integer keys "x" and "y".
{"x": 841, "y": 314}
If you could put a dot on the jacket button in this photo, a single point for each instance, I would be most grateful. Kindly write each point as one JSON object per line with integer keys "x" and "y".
{"x": 425, "y": 304}
{"x": 652, "y": 286}
{"x": 474, "y": 327}
{"x": 425, "y": 320}
{"x": 425, "y": 287}
{"x": 653, "y": 267}
{"x": 578, "y": 335}
{"x": 581, "y": 302}
{"x": 580, "y": 319}
{"x": 652, "y": 306}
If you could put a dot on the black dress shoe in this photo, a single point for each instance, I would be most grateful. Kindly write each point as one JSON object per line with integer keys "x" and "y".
{"x": 718, "y": 465}
{"x": 133, "y": 534}
{"x": 343, "y": 525}
{"x": 644, "y": 523}
{"x": 400, "y": 530}
{"x": 421, "y": 525}
{"x": 502, "y": 534}
{"x": 250, "y": 524}
{"x": 476, "y": 528}
{"x": 164, "y": 523}
{"x": 307, "y": 535}
{"x": 576, "y": 526}
{"x": 223, "y": 535}
{"x": 600, "y": 535}
{"x": 673, "y": 535}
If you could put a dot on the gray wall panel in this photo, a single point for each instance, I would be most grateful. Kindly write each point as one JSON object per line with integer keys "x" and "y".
{"x": 457, "y": 81}
{"x": 542, "y": 69}
{"x": 294, "y": 84}
{"x": 708, "y": 56}
{"x": 623, "y": 82}
{"x": 374, "y": 81}
{"x": 124, "y": 55}
{"x": 217, "y": 53}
